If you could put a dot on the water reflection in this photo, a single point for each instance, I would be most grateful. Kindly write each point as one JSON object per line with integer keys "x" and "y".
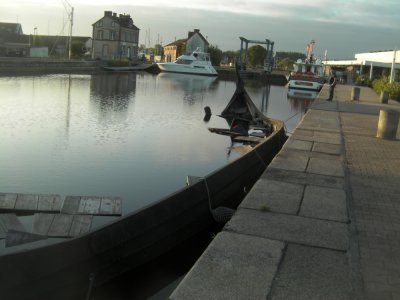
{"x": 113, "y": 85}
{"x": 111, "y": 95}
{"x": 300, "y": 100}
{"x": 193, "y": 86}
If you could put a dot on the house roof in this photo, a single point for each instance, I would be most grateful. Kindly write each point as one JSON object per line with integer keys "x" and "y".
{"x": 178, "y": 43}
{"x": 123, "y": 20}
{"x": 190, "y": 35}
{"x": 10, "y": 28}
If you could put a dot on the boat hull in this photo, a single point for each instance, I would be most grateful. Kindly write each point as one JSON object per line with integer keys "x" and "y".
{"x": 188, "y": 69}
{"x": 304, "y": 84}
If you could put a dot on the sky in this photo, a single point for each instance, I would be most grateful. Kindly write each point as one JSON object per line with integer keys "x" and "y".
{"x": 342, "y": 28}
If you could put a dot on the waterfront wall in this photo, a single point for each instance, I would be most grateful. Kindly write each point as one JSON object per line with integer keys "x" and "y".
{"x": 11, "y": 65}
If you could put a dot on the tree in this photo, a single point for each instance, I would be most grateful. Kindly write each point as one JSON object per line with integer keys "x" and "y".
{"x": 293, "y": 56}
{"x": 215, "y": 55}
{"x": 78, "y": 49}
{"x": 285, "y": 64}
{"x": 159, "y": 50}
{"x": 285, "y": 60}
{"x": 230, "y": 56}
{"x": 256, "y": 55}
{"x": 142, "y": 48}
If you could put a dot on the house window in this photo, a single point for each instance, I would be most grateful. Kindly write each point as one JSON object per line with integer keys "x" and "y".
{"x": 100, "y": 34}
{"x": 112, "y": 35}
{"x": 113, "y": 24}
{"x": 100, "y": 23}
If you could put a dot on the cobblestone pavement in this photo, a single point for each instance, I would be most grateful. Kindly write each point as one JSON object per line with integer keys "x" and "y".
{"x": 373, "y": 167}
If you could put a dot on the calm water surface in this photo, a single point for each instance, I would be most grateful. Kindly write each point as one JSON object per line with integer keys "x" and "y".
{"x": 132, "y": 135}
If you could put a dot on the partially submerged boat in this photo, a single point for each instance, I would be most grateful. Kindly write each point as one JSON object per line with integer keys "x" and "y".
{"x": 71, "y": 269}
{"x": 307, "y": 74}
{"x": 197, "y": 62}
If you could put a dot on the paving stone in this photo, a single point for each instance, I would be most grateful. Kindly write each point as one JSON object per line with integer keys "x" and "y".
{"x": 293, "y": 143}
{"x": 327, "y": 137}
{"x": 275, "y": 196}
{"x": 296, "y": 152}
{"x": 296, "y": 229}
{"x": 303, "y": 132}
{"x": 290, "y": 161}
{"x": 325, "y": 167}
{"x": 324, "y": 203}
{"x": 327, "y": 148}
{"x": 234, "y": 266}
{"x": 303, "y": 178}
{"x": 312, "y": 273}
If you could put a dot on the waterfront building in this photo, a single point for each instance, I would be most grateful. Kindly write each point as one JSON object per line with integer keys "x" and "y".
{"x": 372, "y": 65}
{"x": 115, "y": 37}
{"x": 12, "y": 40}
{"x": 195, "y": 40}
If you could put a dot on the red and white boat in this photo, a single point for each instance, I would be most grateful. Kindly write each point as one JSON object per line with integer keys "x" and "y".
{"x": 307, "y": 74}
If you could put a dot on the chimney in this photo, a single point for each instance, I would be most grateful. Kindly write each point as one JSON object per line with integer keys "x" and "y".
{"x": 114, "y": 15}
{"x": 197, "y": 31}
{"x": 108, "y": 13}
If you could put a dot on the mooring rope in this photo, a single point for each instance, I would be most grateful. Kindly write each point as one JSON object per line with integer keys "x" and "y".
{"x": 208, "y": 193}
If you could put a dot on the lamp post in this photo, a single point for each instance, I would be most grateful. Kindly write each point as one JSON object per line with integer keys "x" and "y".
{"x": 392, "y": 72}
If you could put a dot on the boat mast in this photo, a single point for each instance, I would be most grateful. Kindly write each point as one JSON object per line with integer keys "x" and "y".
{"x": 71, "y": 21}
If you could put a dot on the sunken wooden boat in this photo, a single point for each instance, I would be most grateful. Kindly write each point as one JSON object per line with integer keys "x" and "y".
{"x": 70, "y": 269}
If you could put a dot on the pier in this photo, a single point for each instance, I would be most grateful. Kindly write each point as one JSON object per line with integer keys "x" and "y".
{"x": 53, "y": 215}
{"x": 322, "y": 222}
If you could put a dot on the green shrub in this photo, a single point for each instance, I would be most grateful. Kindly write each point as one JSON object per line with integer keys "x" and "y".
{"x": 363, "y": 80}
{"x": 383, "y": 84}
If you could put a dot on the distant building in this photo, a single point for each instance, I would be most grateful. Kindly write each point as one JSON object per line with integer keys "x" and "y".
{"x": 115, "y": 37}
{"x": 58, "y": 45}
{"x": 12, "y": 40}
{"x": 174, "y": 49}
{"x": 195, "y": 40}
{"x": 371, "y": 64}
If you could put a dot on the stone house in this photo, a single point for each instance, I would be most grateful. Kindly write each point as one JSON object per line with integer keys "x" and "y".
{"x": 194, "y": 40}
{"x": 115, "y": 37}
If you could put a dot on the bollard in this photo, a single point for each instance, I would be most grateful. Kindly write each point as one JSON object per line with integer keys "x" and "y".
{"x": 387, "y": 124}
{"x": 355, "y": 93}
{"x": 384, "y": 97}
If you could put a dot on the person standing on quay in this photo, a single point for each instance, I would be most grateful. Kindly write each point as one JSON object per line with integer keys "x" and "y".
{"x": 332, "y": 84}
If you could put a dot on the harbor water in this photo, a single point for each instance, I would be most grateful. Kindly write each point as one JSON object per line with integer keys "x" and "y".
{"x": 131, "y": 135}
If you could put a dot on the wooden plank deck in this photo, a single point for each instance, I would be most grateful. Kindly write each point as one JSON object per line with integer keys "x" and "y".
{"x": 61, "y": 225}
{"x": 15, "y": 237}
{"x": 52, "y": 217}
{"x": 8, "y": 222}
{"x": 100, "y": 206}
{"x": 30, "y": 202}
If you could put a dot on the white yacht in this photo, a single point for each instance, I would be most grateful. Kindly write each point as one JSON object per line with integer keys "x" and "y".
{"x": 193, "y": 63}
